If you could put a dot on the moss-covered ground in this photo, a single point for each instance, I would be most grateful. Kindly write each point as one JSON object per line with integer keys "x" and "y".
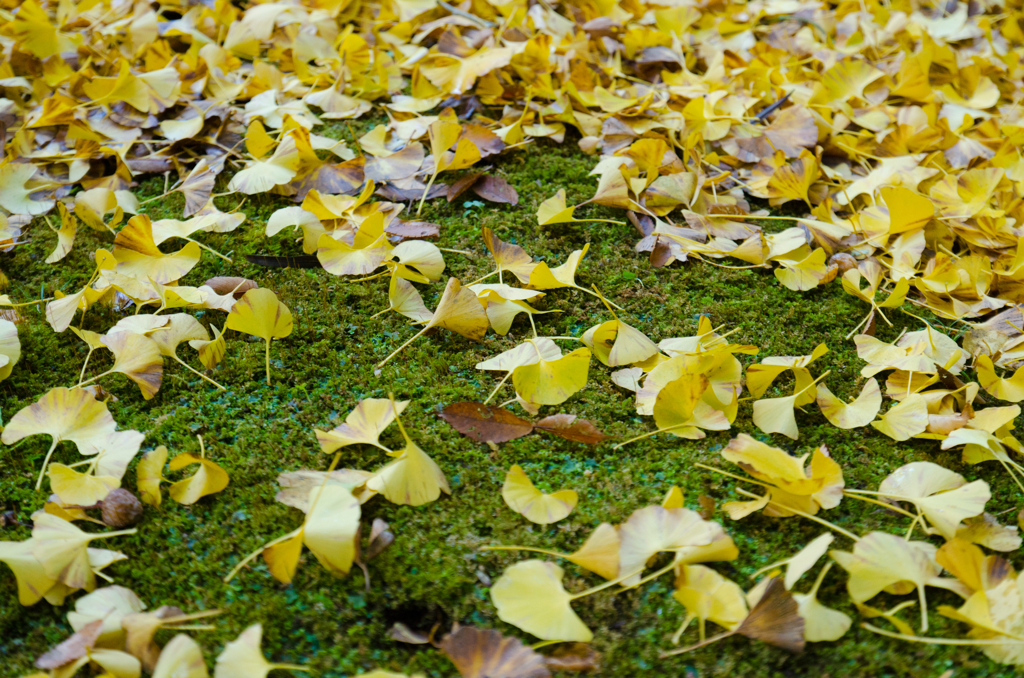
{"x": 434, "y": 572}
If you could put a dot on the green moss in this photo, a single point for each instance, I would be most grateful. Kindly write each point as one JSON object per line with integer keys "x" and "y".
{"x": 434, "y": 573}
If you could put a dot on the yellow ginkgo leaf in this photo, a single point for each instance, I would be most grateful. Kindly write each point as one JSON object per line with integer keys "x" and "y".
{"x": 1009, "y": 389}
{"x": 33, "y": 582}
{"x": 508, "y": 257}
{"x": 708, "y": 596}
{"x": 942, "y": 496}
{"x": 405, "y": 300}
{"x": 110, "y": 605}
{"x": 363, "y": 425}
{"x": 529, "y": 595}
{"x": 138, "y": 256}
{"x": 282, "y": 556}
{"x": 803, "y": 274}
{"x": 368, "y": 250}
{"x": 208, "y": 479}
{"x": 257, "y": 141}
{"x": 65, "y": 234}
{"x": 552, "y": 382}
{"x": 789, "y": 483}
{"x": 332, "y": 526}
{"x": 64, "y": 414}
{"x": 676, "y": 403}
{"x": 416, "y": 260}
{"x": 522, "y": 497}
{"x": 181, "y": 658}
{"x": 458, "y": 311}
{"x": 654, "y": 529}
{"x": 600, "y": 552}
{"x": 10, "y": 347}
{"x": 821, "y": 624}
{"x": 554, "y": 211}
{"x": 906, "y": 419}
{"x": 149, "y": 474}
{"x": 79, "y": 489}
{"x": 211, "y": 352}
{"x": 887, "y": 562}
{"x": 544, "y": 278}
{"x": 261, "y": 314}
{"x": 854, "y": 414}
{"x": 908, "y": 210}
{"x": 137, "y": 357}
{"x": 243, "y": 657}
{"x": 615, "y": 343}
{"x": 413, "y": 478}
{"x": 62, "y": 550}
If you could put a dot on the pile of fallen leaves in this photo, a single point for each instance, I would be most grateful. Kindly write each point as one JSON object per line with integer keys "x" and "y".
{"x": 890, "y": 131}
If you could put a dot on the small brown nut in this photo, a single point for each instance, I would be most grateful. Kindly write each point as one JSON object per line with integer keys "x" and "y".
{"x": 843, "y": 260}
{"x": 121, "y": 508}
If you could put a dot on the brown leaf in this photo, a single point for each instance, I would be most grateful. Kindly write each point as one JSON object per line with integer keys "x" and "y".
{"x": 485, "y": 423}
{"x": 463, "y": 185}
{"x": 400, "y": 231}
{"x": 707, "y": 506}
{"x": 77, "y": 645}
{"x": 401, "y": 633}
{"x": 390, "y": 192}
{"x": 331, "y": 178}
{"x": 574, "y": 657}
{"x": 381, "y": 537}
{"x": 197, "y": 187}
{"x": 486, "y": 141}
{"x": 479, "y": 653}
{"x": 643, "y": 223}
{"x": 569, "y": 427}
{"x": 231, "y": 285}
{"x": 400, "y": 165}
{"x": 775, "y": 619}
{"x": 496, "y": 189}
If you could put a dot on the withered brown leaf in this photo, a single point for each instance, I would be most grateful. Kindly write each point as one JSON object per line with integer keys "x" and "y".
{"x": 568, "y": 426}
{"x": 485, "y": 653}
{"x": 485, "y": 423}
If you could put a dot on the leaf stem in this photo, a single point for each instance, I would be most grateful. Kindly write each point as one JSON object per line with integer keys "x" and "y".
{"x": 198, "y": 373}
{"x": 942, "y": 641}
{"x": 498, "y": 387}
{"x": 880, "y": 503}
{"x": 531, "y": 549}
{"x": 46, "y": 462}
{"x": 268, "y": 362}
{"x": 210, "y": 250}
{"x": 822, "y": 521}
{"x": 397, "y": 350}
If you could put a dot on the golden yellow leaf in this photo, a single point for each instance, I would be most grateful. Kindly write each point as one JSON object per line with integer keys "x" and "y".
{"x": 363, "y": 425}
{"x": 522, "y": 497}
{"x": 208, "y": 479}
{"x": 261, "y": 314}
{"x": 529, "y": 595}
{"x": 552, "y": 382}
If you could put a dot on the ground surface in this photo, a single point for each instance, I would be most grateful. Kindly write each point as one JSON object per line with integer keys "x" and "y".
{"x": 434, "y": 572}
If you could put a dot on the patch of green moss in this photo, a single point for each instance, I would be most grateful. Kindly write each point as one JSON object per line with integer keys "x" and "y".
{"x": 434, "y": 572}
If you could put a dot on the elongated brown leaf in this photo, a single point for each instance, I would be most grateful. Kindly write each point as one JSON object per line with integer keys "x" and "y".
{"x": 75, "y": 646}
{"x": 495, "y": 189}
{"x": 569, "y": 427}
{"x": 463, "y": 184}
{"x": 574, "y": 657}
{"x": 485, "y": 423}
{"x": 400, "y": 231}
{"x": 231, "y": 285}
